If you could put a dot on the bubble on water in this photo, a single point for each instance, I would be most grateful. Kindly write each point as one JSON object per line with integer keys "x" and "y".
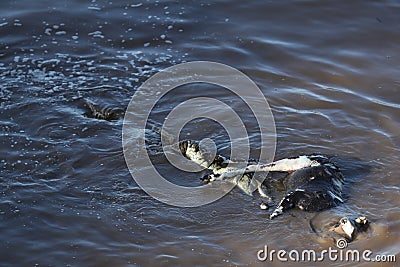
{"x": 62, "y": 55}
{"x": 47, "y": 31}
{"x": 136, "y": 5}
{"x": 49, "y": 62}
{"x": 94, "y": 8}
{"x": 17, "y": 22}
{"x": 96, "y": 34}
{"x": 146, "y": 44}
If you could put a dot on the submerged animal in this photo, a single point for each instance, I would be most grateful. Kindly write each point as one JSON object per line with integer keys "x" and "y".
{"x": 340, "y": 230}
{"x": 312, "y": 188}
{"x": 313, "y": 183}
{"x": 108, "y": 113}
{"x": 350, "y": 228}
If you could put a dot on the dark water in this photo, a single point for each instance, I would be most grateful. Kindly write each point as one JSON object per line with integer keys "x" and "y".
{"x": 329, "y": 69}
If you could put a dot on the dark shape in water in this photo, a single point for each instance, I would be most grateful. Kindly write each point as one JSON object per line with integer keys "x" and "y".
{"x": 108, "y": 113}
{"x": 344, "y": 228}
{"x": 313, "y": 183}
{"x": 314, "y": 188}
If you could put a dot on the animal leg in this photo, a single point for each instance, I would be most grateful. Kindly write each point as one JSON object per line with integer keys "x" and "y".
{"x": 289, "y": 201}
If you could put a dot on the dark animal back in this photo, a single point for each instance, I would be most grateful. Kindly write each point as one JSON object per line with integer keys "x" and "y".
{"x": 105, "y": 112}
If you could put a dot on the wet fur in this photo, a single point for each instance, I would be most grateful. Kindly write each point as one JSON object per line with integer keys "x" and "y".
{"x": 313, "y": 183}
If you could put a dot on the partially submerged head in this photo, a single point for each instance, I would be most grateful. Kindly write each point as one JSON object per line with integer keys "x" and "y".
{"x": 349, "y": 228}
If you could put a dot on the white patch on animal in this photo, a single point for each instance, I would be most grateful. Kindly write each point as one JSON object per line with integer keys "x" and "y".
{"x": 285, "y": 165}
{"x": 192, "y": 152}
{"x": 335, "y": 196}
{"x": 331, "y": 166}
{"x": 302, "y": 192}
{"x": 347, "y": 227}
{"x": 338, "y": 183}
{"x": 362, "y": 220}
{"x": 261, "y": 192}
{"x": 276, "y": 212}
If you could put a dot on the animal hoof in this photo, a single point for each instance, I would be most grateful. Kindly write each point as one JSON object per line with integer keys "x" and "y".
{"x": 264, "y": 206}
{"x": 273, "y": 215}
{"x": 361, "y": 220}
{"x": 362, "y": 223}
{"x": 278, "y": 211}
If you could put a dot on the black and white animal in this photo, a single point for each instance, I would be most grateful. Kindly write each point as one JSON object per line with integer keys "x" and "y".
{"x": 313, "y": 183}
{"x": 349, "y": 228}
